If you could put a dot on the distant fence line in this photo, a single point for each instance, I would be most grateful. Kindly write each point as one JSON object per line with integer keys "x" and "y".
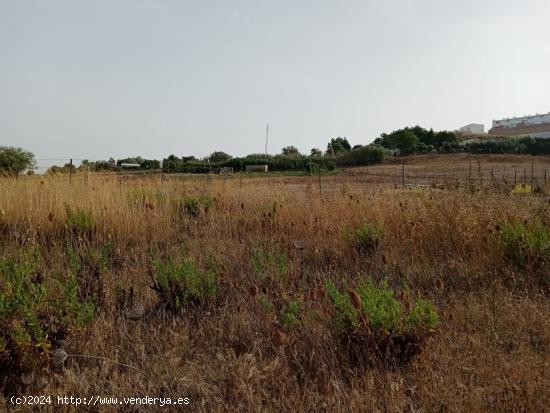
{"x": 474, "y": 175}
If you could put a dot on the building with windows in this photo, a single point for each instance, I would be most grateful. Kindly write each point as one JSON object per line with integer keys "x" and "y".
{"x": 536, "y": 126}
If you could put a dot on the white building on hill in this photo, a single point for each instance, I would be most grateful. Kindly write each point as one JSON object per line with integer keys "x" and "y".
{"x": 472, "y": 129}
{"x": 522, "y": 121}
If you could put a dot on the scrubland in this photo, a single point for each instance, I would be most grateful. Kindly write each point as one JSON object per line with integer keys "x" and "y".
{"x": 267, "y": 294}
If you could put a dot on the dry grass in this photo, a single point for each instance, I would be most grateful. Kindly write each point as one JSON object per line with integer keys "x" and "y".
{"x": 489, "y": 353}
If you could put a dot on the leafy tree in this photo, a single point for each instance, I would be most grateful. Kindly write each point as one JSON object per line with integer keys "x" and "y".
{"x": 338, "y": 145}
{"x": 13, "y": 160}
{"x": 290, "y": 151}
{"x": 405, "y": 140}
{"x": 149, "y": 164}
{"x": 365, "y": 155}
{"x": 219, "y": 156}
{"x": 316, "y": 153}
{"x": 444, "y": 137}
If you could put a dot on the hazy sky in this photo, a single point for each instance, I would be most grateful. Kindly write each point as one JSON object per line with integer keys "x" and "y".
{"x": 93, "y": 79}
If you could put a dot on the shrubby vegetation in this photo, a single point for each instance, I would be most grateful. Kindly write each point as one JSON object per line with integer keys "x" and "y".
{"x": 367, "y": 239}
{"x": 182, "y": 284}
{"x": 13, "y": 160}
{"x": 339, "y": 153}
{"x": 417, "y": 140}
{"x": 37, "y": 307}
{"x": 376, "y": 325}
{"x": 523, "y": 243}
{"x": 241, "y": 307}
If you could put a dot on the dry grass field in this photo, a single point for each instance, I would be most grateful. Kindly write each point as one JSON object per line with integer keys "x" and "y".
{"x": 261, "y": 294}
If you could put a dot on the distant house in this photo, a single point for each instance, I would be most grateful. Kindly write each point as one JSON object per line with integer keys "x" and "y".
{"x": 472, "y": 129}
{"x": 536, "y": 126}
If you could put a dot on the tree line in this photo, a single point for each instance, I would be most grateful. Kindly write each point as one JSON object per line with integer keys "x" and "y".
{"x": 339, "y": 153}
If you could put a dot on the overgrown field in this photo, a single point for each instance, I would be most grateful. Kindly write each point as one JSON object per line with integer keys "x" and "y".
{"x": 264, "y": 294}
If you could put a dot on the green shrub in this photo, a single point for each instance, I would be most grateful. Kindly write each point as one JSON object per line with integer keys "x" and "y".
{"x": 290, "y": 314}
{"x": 270, "y": 264}
{"x": 183, "y": 284}
{"x": 87, "y": 265}
{"x": 524, "y": 243}
{"x": 194, "y": 206}
{"x": 36, "y": 307}
{"x": 422, "y": 314}
{"x": 78, "y": 220}
{"x": 367, "y": 239}
{"x": 372, "y": 318}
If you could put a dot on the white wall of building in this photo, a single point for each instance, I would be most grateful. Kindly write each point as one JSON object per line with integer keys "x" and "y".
{"x": 527, "y": 120}
{"x": 473, "y": 129}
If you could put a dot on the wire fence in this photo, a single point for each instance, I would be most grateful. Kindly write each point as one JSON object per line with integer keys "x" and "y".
{"x": 471, "y": 176}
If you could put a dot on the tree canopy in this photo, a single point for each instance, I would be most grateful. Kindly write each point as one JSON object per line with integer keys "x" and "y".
{"x": 219, "y": 156}
{"x": 416, "y": 139}
{"x": 13, "y": 160}
{"x": 338, "y": 145}
{"x": 290, "y": 151}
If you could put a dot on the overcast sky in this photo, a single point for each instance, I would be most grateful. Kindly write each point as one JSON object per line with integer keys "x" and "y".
{"x": 93, "y": 79}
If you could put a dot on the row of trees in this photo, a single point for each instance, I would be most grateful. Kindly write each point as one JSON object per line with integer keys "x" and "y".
{"x": 417, "y": 140}
{"x": 339, "y": 152}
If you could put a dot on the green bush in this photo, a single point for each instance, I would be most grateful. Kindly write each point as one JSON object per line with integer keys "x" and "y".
{"x": 194, "y": 206}
{"x": 270, "y": 264}
{"x": 78, "y": 220}
{"x": 367, "y": 239}
{"x": 524, "y": 243}
{"x": 36, "y": 307}
{"x": 183, "y": 284}
{"x": 87, "y": 265}
{"x": 378, "y": 305}
{"x": 372, "y": 318}
{"x": 290, "y": 314}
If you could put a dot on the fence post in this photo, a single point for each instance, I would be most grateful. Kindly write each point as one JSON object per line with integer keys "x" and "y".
{"x": 241, "y": 176}
{"x": 403, "y": 176}
{"x": 71, "y": 171}
{"x": 532, "y": 176}
{"x": 320, "y": 190}
{"x": 470, "y": 177}
{"x": 515, "y": 178}
{"x": 480, "y": 176}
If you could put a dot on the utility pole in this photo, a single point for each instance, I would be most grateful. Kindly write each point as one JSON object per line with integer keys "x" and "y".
{"x": 266, "y": 137}
{"x": 70, "y": 171}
